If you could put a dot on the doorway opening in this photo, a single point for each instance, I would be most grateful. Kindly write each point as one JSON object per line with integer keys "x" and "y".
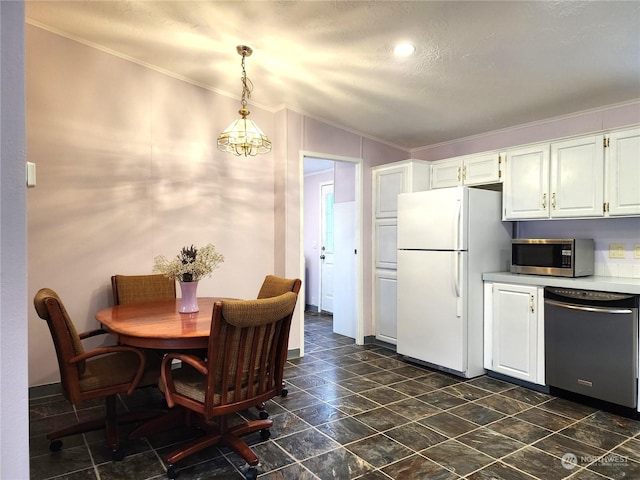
{"x": 332, "y": 241}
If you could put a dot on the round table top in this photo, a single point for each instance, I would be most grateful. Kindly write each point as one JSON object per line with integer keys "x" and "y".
{"x": 159, "y": 324}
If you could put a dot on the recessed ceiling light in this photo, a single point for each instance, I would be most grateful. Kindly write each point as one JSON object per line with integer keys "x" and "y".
{"x": 404, "y": 49}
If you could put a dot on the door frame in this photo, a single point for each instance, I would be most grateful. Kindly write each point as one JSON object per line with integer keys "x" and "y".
{"x": 359, "y": 240}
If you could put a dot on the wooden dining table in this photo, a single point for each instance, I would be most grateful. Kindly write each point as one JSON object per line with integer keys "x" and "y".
{"x": 159, "y": 324}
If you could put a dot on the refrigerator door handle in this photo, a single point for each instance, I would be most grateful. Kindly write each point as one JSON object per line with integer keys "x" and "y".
{"x": 456, "y": 277}
{"x": 456, "y": 227}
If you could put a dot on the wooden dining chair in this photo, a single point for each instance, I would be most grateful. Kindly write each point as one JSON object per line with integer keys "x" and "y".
{"x": 273, "y": 286}
{"x": 142, "y": 288}
{"x": 246, "y": 355}
{"x": 102, "y": 372}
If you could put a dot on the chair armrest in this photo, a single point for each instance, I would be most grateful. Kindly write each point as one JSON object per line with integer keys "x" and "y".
{"x": 92, "y": 333}
{"x": 166, "y": 373}
{"x": 114, "y": 349}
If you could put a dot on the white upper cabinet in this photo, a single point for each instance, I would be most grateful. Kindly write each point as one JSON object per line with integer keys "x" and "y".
{"x": 622, "y": 172}
{"x": 479, "y": 169}
{"x": 525, "y": 192}
{"x": 559, "y": 180}
{"x": 390, "y": 180}
{"x": 577, "y": 186}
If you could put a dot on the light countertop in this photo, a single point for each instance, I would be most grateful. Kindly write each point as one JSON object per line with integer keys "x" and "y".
{"x": 605, "y": 284}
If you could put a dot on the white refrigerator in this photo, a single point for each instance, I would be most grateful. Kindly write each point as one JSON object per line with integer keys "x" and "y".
{"x": 446, "y": 239}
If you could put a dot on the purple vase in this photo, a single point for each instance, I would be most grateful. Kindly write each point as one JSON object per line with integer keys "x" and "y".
{"x": 189, "y": 300}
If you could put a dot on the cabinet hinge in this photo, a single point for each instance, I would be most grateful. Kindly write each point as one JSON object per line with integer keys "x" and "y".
{"x": 605, "y": 142}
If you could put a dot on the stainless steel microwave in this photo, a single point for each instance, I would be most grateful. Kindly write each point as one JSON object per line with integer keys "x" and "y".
{"x": 560, "y": 257}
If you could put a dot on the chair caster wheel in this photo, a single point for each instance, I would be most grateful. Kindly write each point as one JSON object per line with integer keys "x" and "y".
{"x": 55, "y": 445}
{"x": 265, "y": 434}
{"x": 118, "y": 454}
{"x": 264, "y": 415}
{"x": 284, "y": 392}
{"x": 251, "y": 474}
{"x": 172, "y": 472}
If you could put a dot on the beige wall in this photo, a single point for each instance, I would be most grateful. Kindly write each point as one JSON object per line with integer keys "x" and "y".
{"x": 128, "y": 169}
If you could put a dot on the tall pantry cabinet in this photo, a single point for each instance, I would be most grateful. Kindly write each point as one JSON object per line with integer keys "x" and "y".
{"x": 388, "y": 181}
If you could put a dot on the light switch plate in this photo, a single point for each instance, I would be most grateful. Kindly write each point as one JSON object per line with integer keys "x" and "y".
{"x": 636, "y": 250}
{"x": 616, "y": 250}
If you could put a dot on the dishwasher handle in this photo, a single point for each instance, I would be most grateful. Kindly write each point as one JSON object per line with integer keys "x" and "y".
{"x": 582, "y": 308}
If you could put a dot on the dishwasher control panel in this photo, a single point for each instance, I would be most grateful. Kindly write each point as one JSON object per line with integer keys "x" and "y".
{"x": 594, "y": 297}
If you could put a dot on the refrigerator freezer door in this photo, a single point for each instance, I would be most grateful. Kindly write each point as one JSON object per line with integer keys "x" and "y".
{"x": 433, "y": 220}
{"x": 431, "y": 316}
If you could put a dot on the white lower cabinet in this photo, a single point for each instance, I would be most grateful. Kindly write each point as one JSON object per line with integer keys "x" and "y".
{"x": 514, "y": 331}
{"x": 386, "y": 294}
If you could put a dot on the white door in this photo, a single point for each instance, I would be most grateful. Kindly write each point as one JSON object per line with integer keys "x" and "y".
{"x": 344, "y": 298}
{"x": 327, "y": 246}
{"x": 515, "y": 333}
{"x": 576, "y": 177}
{"x": 623, "y": 172}
{"x": 525, "y": 192}
{"x": 431, "y": 311}
{"x": 432, "y": 220}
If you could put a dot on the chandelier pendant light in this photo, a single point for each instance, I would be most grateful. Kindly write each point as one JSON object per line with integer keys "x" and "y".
{"x": 243, "y": 136}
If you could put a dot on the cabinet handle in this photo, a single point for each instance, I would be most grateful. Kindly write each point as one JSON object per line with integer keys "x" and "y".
{"x": 464, "y": 173}
{"x": 458, "y": 173}
{"x": 531, "y": 303}
{"x": 553, "y": 201}
{"x": 544, "y": 200}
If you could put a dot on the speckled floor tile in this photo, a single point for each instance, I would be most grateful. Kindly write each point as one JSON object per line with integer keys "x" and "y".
{"x": 504, "y": 404}
{"x": 490, "y": 442}
{"x": 538, "y": 463}
{"x": 346, "y": 430}
{"x": 339, "y": 464}
{"x": 417, "y": 467}
{"x": 457, "y": 457}
{"x": 448, "y": 424}
{"x": 363, "y": 413}
{"x": 307, "y": 443}
{"x": 379, "y": 450}
{"x": 415, "y": 436}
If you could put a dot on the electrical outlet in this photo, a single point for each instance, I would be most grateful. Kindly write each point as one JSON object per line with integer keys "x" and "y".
{"x": 636, "y": 250}
{"x": 616, "y": 250}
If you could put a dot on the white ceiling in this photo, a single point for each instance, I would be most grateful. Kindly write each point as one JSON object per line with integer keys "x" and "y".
{"x": 478, "y": 67}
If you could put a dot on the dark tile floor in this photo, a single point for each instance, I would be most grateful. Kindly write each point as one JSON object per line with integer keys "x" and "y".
{"x": 361, "y": 412}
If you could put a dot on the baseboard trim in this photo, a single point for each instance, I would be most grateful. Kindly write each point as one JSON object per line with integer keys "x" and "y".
{"x": 47, "y": 390}
{"x": 372, "y": 340}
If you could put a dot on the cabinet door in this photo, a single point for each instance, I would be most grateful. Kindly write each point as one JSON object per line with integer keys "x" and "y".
{"x": 386, "y": 294}
{"x": 386, "y": 251}
{"x": 515, "y": 331}
{"x": 526, "y": 183}
{"x": 482, "y": 169}
{"x": 623, "y": 172}
{"x": 389, "y": 183}
{"x": 446, "y": 173}
{"x": 577, "y": 185}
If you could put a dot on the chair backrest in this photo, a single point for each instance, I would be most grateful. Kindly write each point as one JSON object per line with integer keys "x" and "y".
{"x": 65, "y": 338}
{"x": 274, "y": 286}
{"x": 142, "y": 288}
{"x": 247, "y": 352}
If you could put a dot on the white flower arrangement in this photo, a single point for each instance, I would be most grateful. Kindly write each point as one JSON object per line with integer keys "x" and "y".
{"x": 191, "y": 265}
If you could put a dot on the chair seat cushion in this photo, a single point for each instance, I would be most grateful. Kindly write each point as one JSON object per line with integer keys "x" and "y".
{"x": 191, "y": 383}
{"x": 118, "y": 368}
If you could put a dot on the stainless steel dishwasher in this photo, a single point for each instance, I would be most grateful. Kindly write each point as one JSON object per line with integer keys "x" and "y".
{"x": 591, "y": 343}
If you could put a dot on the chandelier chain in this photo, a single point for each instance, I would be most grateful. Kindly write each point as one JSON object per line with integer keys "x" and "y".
{"x": 247, "y": 86}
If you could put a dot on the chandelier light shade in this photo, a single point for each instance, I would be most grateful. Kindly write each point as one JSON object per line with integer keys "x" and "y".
{"x": 243, "y": 136}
